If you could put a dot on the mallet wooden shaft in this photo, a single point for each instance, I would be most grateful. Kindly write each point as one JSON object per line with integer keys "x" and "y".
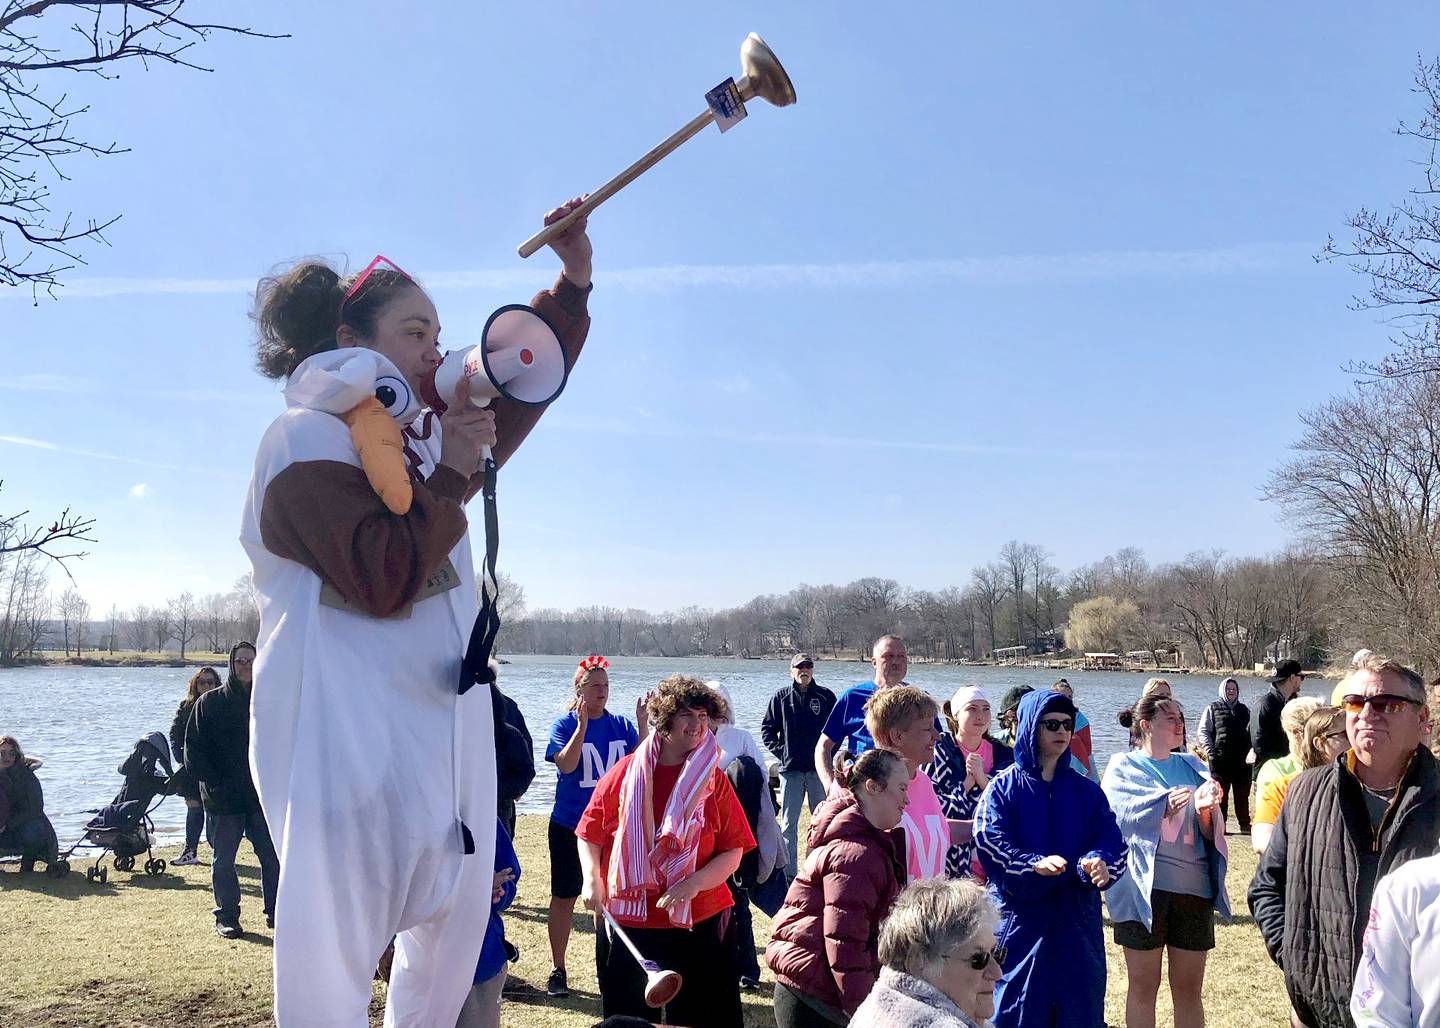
{"x": 619, "y": 182}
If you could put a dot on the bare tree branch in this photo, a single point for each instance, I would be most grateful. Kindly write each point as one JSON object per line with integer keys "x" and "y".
{"x": 36, "y": 134}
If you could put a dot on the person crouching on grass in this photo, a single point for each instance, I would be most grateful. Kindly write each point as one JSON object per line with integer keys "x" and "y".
{"x": 1049, "y": 844}
{"x": 1169, "y": 810}
{"x": 658, "y": 839}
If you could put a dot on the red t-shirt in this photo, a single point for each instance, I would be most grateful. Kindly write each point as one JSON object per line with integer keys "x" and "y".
{"x": 722, "y": 828}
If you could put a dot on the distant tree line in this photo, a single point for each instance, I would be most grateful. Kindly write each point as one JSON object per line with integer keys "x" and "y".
{"x": 1210, "y": 610}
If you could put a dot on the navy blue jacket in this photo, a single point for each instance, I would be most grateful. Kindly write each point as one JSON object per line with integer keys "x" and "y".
{"x": 792, "y": 723}
{"x": 1050, "y": 925}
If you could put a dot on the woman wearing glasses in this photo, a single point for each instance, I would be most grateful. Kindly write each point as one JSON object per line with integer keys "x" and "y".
{"x": 938, "y": 960}
{"x": 184, "y": 782}
{"x": 376, "y": 771}
{"x": 1049, "y": 845}
{"x": 1168, "y": 809}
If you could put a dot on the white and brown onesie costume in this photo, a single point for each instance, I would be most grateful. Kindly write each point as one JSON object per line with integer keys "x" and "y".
{"x": 375, "y": 774}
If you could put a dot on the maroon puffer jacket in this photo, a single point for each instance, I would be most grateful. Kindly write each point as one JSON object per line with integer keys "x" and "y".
{"x": 825, "y": 938}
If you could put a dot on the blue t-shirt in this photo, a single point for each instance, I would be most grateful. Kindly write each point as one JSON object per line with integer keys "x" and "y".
{"x": 1181, "y": 864}
{"x": 607, "y": 738}
{"x": 845, "y": 726}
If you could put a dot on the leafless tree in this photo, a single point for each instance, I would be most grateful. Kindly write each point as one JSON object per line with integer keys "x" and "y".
{"x": 138, "y": 628}
{"x": 42, "y": 44}
{"x": 1364, "y": 488}
{"x": 989, "y": 589}
{"x": 183, "y": 614}
{"x": 110, "y": 639}
{"x": 24, "y": 604}
{"x": 57, "y": 540}
{"x": 1017, "y": 558}
{"x": 72, "y": 605}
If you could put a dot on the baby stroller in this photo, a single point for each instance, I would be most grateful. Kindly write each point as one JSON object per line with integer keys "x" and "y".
{"x": 124, "y": 827}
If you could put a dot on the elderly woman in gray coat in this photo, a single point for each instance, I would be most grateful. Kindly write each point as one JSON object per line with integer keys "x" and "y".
{"x": 938, "y": 959}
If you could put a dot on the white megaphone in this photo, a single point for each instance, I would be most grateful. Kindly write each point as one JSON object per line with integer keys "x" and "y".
{"x": 518, "y": 357}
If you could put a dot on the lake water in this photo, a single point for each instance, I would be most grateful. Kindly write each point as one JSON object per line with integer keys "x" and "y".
{"x": 84, "y": 721}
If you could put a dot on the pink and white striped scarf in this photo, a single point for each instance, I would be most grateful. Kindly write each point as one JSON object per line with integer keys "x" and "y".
{"x": 645, "y": 860}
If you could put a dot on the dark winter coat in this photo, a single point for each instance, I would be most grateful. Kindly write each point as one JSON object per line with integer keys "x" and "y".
{"x": 217, "y": 749}
{"x": 27, "y": 798}
{"x": 792, "y": 724}
{"x": 1270, "y": 739}
{"x": 514, "y": 756}
{"x": 1225, "y": 732}
{"x": 1311, "y": 892}
{"x": 825, "y": 939}
{"x": 184, "y": 783}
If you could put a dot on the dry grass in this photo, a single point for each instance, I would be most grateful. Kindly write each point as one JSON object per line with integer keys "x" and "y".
{"x": 140, "y": 952}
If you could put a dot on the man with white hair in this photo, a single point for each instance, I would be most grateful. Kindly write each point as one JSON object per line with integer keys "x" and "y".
{"x": 1344, "y": 826}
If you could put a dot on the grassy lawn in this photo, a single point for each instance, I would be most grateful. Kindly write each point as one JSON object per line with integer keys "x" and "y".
{"x": 139, "y": 951}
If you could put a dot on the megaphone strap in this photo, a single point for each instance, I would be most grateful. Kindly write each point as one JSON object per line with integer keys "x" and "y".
{"x": 475, "y": 668}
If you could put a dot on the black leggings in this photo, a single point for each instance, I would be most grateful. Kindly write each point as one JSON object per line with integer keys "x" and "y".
{"x": 703, "y": 956}
{"x": 793, "y": 1012}
{"x": 1235, "y": 778}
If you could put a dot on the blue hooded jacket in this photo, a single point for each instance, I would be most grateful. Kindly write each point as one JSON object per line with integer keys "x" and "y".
{"x": 1050, "y": 926}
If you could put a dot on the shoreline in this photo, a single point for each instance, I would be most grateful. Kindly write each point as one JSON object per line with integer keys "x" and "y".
{"x": 171, "y": 660}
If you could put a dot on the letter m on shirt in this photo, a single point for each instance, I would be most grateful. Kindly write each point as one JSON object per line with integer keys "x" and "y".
{"x": 595, "y": 765}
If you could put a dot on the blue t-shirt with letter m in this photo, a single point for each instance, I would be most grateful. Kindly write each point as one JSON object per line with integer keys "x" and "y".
{"x": 607, "y": 738}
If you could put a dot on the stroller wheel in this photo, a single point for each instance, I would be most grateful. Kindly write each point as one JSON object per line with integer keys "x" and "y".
{"x": 104, "y": 876}
{"x": 154, "y": 867}
{"x": 160, "y": 865}
{"x": 89, "y": 874}
{"x": 124, "y": 863}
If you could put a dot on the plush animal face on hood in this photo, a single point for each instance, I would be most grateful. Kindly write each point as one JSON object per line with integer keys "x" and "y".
{"x": 336, "y": 380}
{"x": 366, "y": 391}
{"x": 1033, "y": 708}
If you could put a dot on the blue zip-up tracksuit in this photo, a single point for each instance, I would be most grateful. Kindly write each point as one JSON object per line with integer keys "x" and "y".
{"x": 1050, "y": 925}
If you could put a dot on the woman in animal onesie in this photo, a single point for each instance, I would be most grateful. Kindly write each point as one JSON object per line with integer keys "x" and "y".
{"x": 376, "y": 775}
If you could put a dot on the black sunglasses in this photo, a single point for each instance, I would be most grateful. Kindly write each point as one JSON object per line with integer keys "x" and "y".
{"x": 804, "y": 667}
{"x": 980, "y": 961}
{"x": 1057, "y": 724}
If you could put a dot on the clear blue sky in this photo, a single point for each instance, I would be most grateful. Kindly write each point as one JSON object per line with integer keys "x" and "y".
{"x": 1038, "y": 272}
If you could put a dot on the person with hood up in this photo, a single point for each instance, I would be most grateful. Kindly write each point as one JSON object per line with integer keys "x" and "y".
{"x": 24, "y": 828}
{"x": 824, "y": 949}
{"x": 1050, "y": 845}
{"x": 1165, "y": 906}
{"x": 217, "y": 751}
{"x": 1225, "y": 738}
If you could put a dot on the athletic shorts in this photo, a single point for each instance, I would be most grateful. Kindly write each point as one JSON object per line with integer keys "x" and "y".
{"x": 565, "y": 875}
{"x": 1177, "y": 920}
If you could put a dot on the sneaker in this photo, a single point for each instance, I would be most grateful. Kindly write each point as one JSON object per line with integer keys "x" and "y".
{"x": 749, "y": 984}
{"x": 185, "y": 859}
{"x": 230, "y": 930}
{"x": 556, "y": 985}
{"x": 512, "y": 952}
{"x": 270, "y": 921}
